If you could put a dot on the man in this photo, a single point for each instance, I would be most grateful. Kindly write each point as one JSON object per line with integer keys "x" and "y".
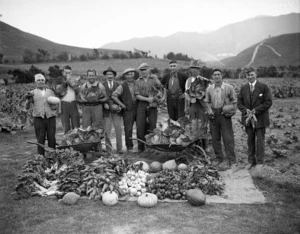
{"x": 196, "y": 107}
{"x": 92, "y": 95}
{"x": 218, "y": 95}
{"x": 146, "y": 116}
{"x": 69, "y": 110}
{"x": 111, "y": 112}
{"x": 255, "y": 99}
{"x": 124, "y": 96}
{"x": 174, "y": 83}
{"x": 44, "y": 114}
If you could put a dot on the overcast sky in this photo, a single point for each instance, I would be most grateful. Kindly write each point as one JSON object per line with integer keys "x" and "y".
{"x": 93, "y": 23}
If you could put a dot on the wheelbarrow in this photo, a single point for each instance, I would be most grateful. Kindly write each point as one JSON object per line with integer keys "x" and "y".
{"x": 176, "y": 148}
{"x": 81, "y": 147}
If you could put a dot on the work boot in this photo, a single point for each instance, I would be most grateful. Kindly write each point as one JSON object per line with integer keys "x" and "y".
{"x": 249, "y": 166}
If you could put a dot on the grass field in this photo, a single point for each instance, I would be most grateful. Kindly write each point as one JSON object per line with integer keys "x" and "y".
{"x": 280, "y": 185}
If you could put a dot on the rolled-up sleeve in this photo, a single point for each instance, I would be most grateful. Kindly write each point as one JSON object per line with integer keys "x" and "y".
{"x": 118, "y": 92}
{"x": 207, "y": 94}
{"x": 233, "y": 97}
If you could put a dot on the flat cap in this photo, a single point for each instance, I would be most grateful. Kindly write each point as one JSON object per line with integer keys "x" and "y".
{"x": 143, "y": 65}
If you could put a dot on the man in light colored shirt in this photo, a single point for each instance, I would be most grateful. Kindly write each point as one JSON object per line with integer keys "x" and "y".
{"x": 218, "y": 95}
{"x": 146, "y": 116}
{"x": 69, "y": 110}
{"x": 124, "y": 96}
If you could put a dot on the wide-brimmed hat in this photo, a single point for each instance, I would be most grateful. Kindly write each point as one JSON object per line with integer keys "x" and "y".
{"x": 128, "y": 70}
{"x": 109, "y": 69}
{"x": 143, "y": 65}
{"x": 195, "y": 64}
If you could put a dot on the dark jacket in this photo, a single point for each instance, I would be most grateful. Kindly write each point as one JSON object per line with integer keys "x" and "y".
{"x": 261, "y": 101}
{"x": 109, "y": 93}
{"x": 181, "y": 78}
{"x": 126, "y": 96}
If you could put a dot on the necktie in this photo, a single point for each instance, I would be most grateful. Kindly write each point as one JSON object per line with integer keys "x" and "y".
{"x": 251, "y": 88}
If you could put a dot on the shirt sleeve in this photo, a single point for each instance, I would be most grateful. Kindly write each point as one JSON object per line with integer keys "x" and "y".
{"x": 207, "y": 95}
{"x": 233, "y": 95}
{"x": 136, "y": 89}
{"x": 118, "y": 92}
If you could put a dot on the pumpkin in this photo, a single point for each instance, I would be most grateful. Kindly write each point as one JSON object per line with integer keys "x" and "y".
{"x": 155, "y": 167}
{"x": 182, "y": 166}
{"x": 110, "y": 198}
{"x": 147, "y": 200}
{"x": 70, "y": 198}
{"x": 227, "y": 109}
{"x": 145, "y": 166}
{"x": 171, "y": 165}
{"x": 195, "y": 197}
{"x": 53, "y": 100}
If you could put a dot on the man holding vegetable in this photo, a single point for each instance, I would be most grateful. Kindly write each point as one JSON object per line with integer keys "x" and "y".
{"x": 146, "y": 117}
{"x": 69, "y": 110}
{"x": 254, "y": 101}
{"x": 195, "y": 106}
{"x": 174, "y": 83}
{"x": 221, "y": 105}
{"x": 124, "y": 96}
{"x": 44, "y": 114}
{"x": 91, "y": 97}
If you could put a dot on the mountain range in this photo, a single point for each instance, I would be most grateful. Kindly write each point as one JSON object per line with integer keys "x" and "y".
{"x": 218, "y": 44}
{"x": 13, "y": 43}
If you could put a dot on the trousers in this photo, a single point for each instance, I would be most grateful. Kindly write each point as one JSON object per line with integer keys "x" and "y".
{"x": 92, "y": 115}
{"x": 43, "y": 127}
{"x": 129, "y": 117}
{"x": 146, "y": 119}
{"x": 256, "y": 145}
{"x": 69, "y": 115}
{"x": 221, "y": 128}
{"x": 116, "y": 120}
{"x": 175, "y": 107}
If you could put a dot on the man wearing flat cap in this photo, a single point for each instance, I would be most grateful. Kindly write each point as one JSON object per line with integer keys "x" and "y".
{"x": 174, "y": 83}
{"x": 124, "y": 96}
{"x": 146, "y": 114}
{"x": 255, "y": 99}
{"x": 44, "y": 113}
{"x": 112, "y": 112}
{"x": 195, "y": 106}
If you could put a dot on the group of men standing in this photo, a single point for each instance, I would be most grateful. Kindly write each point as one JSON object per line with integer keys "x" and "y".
{"x": 109, "y": 102}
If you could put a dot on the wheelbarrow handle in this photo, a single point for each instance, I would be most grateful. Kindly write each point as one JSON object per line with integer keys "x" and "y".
{"x": 136, "y": 139}
{"x": 36, "y": 143}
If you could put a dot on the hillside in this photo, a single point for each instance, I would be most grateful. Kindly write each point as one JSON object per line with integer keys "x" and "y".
{"x": 13, "y": 42}
{"x": 279, "y": 50}
{"x": 215, "y": 45}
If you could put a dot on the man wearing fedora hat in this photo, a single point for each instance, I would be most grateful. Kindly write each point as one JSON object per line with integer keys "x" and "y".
{"x": 44, "y": 114}
{"x": 174, "y": 83}
{"x": 112, "y": 111}
{"x": 196, "y": 107}
{"x": 124, "y": 96}
{"x": 146, "y": 117}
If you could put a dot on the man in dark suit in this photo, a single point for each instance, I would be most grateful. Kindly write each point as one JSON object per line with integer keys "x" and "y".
{"x": 174, "y": 83}
{"x": 255, "y": 99}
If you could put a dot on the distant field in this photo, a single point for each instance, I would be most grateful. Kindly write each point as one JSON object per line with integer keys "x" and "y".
{"x": 100, "y": 65}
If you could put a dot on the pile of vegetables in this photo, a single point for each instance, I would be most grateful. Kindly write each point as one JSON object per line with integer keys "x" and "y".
{"x": 173, "y": 184}
{"x": 176, "y": 133}
{"x": 79, "y": 135}
{"x": 13, "y": 113}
